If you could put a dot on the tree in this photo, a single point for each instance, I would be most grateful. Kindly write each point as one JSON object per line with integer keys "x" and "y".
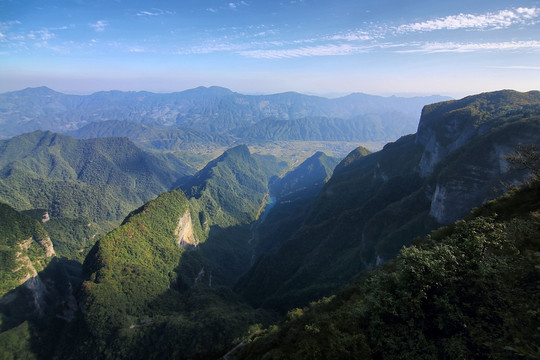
{"x": 526, "y": 157}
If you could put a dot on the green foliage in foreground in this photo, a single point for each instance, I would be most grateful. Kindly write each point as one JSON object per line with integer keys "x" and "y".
{"x": 469, "y": 290}
{"x": 16, "y": 343}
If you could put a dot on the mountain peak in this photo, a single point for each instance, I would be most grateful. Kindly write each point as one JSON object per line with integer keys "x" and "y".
{"x": 445, "y": 126}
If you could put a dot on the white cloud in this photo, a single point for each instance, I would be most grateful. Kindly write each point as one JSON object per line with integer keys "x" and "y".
{"x": 516, "y": 67}
{"x": 498, "y": 20}
{"x": 155, "y": 12}
{"x": 321, "y": 50}
{"x": 137, "y": 49}
{"x": 438, "y": 47}
{"x": 352, "y": 36}
{"x": 99, "y": 26}
{"x": 234, "y": 5}
{"x": 210, "y": 48}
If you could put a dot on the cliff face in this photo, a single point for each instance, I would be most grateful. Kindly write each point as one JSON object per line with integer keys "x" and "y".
{"x": 465, "y": 143}
{"x": 184, "y": 231}
{"x": 374, "y": 205}
{"x": 445, "y": 127}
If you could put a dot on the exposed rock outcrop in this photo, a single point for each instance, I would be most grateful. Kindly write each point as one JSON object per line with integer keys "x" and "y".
{"x": 184, "y": 231}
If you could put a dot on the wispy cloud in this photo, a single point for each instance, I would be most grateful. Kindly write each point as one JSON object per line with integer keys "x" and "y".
{"x": 497, "y": 20}
{"x": 352, "y": 36}
{"x": 210, "y": 48}
{"x": 99, "y": 26}
{"x": 234, "y": 5}
{"x": 306, "y": 51}
{"x": 137, "y": 49}
{"x": 516, "y": 67}
{"x": 438, "y": 47}
{"x": 155, "y": 12}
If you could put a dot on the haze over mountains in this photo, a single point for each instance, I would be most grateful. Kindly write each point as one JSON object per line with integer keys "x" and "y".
{"x": 248, "y": 238}
{"x": 287, "y": 116}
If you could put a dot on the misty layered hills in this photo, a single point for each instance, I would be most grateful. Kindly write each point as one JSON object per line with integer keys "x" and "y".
{"x": 370, "y": 127}
{"x": 101, "y": 179}
{"x": 215, "y": 110}
{"x": 154, "y": 136}
{"x": 375, "y": 204}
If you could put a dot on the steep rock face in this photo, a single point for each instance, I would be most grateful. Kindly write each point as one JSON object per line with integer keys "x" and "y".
{"x": 374, "y": 205}
{"x": 184, "y": 231}
{"x": 446, "y": 126}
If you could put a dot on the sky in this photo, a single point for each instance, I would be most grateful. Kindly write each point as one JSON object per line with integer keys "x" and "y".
{"x": 329, "y": 48}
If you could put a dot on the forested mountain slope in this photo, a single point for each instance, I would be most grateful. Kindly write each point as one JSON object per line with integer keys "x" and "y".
{"x": 467, "y": 291}
{"x": 153, "y": 284}
{"x": 101, "y": 179}
{"x": 228, "y": 196}
{"x": 374, "y": 205}
{"x": 133, "y": 307}
{"x": 32, "y": 285}
{"x": 152, "y": 136}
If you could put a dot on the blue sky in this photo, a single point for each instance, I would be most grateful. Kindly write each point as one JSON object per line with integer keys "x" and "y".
{"x": 321, "y": 47}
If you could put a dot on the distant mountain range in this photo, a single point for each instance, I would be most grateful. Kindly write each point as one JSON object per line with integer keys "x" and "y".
{"x": 287, "y": 116}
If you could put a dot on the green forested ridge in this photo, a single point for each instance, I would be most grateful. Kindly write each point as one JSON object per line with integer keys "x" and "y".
{"x": 370, "y": 127}
{"x": 311, "y": 174}
{"x": 374, "y": 205}
{"x": 132, "y": 265}
{"x": 136, "y": 302}
{"x": 467, "y": 291}
{"x": 230, "y": 190}
{"x": 151, "y": 136}
{"x": 101, "y": 179}
{"x": 228, "y": 195}
{"x": 98, "y": 179}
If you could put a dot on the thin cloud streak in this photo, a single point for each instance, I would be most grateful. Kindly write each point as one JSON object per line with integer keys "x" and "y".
{"x": 516, "y": 67}
{"x": 155, "y": 12}
{"x": 498, "y": 20}
{"x": 322, "y": 50}
{"x": 439, "y": 47}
